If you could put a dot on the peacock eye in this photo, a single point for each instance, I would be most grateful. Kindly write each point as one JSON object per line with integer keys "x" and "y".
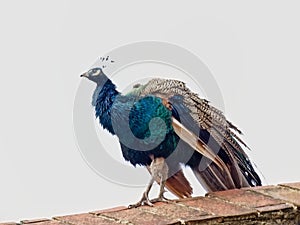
{"x": 95, "y": 72}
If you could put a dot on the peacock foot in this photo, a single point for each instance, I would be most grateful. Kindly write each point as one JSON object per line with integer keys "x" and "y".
{"x": 159, "y": 199}
{"x": 144, "y": 201}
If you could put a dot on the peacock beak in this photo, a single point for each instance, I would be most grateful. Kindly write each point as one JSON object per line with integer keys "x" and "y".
{"x": 84, "y": 75}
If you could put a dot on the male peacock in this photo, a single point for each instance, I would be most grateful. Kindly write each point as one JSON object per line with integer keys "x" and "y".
{"x": 162, "y": 125}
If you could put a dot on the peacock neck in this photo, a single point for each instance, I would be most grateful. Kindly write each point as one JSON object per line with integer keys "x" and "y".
{"x": 103, "y": 99}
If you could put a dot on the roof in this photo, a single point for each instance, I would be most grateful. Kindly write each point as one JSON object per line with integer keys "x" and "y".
{"x": 278, "y": 204}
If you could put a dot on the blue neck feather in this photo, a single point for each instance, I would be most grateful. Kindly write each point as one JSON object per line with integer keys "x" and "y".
{"x": 103, "y": 99}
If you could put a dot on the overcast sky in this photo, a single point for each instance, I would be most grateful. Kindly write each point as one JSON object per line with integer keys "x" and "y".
{"x": 252, "y": 50}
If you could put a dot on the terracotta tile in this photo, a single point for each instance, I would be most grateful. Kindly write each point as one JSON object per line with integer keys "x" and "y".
{"x": 218, "y": 207}
{"x": 140, "y": 217}
{"x": 115, "y": 209}
{"x": 49, "y": 222}
{"x": 270, "y": 208}
{"x": 259, "y": 187}
{"x": 8, "y": 223}
{"x": 292, "y": 185}
{"x": 282, "y": 193}
{"x": 85, "y": 219}
{"x": 177, "y": 212}
{"x": 247, "y": 198}
{"x": 34, "y": 220}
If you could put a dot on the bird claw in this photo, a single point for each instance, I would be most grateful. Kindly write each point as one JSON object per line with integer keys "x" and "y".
{"x": 159, "y": 199}
{"x": 144, "y": 201}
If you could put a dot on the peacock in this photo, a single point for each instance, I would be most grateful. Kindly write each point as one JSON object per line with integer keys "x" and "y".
{"x": 163, "y": 125}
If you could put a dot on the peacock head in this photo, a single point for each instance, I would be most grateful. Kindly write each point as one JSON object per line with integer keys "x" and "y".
{"x": 94, "y": 74}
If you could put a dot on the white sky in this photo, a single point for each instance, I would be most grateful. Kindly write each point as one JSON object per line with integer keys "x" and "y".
{"x": 251, "y": 48}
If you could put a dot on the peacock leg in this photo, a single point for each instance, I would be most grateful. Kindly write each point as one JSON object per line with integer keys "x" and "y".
{"x": 160, "y": 171}
{"x": 145, "y": 199}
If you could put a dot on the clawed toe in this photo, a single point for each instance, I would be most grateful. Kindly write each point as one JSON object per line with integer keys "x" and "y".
{"x": 138, "y": 204}
{"x": 144, "y": 201}
{"x": 159, "y": 172}
{"x": 159, "y": 199}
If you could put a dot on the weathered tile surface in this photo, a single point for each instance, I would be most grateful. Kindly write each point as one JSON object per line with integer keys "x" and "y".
{"x": 260, "y": 205}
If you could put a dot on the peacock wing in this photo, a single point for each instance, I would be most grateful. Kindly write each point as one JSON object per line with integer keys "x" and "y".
{"x": 196, "y": 116}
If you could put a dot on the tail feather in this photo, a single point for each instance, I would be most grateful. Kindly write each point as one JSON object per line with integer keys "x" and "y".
{"x": 217, "y": 167}
{"x": 179, "y": 185}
